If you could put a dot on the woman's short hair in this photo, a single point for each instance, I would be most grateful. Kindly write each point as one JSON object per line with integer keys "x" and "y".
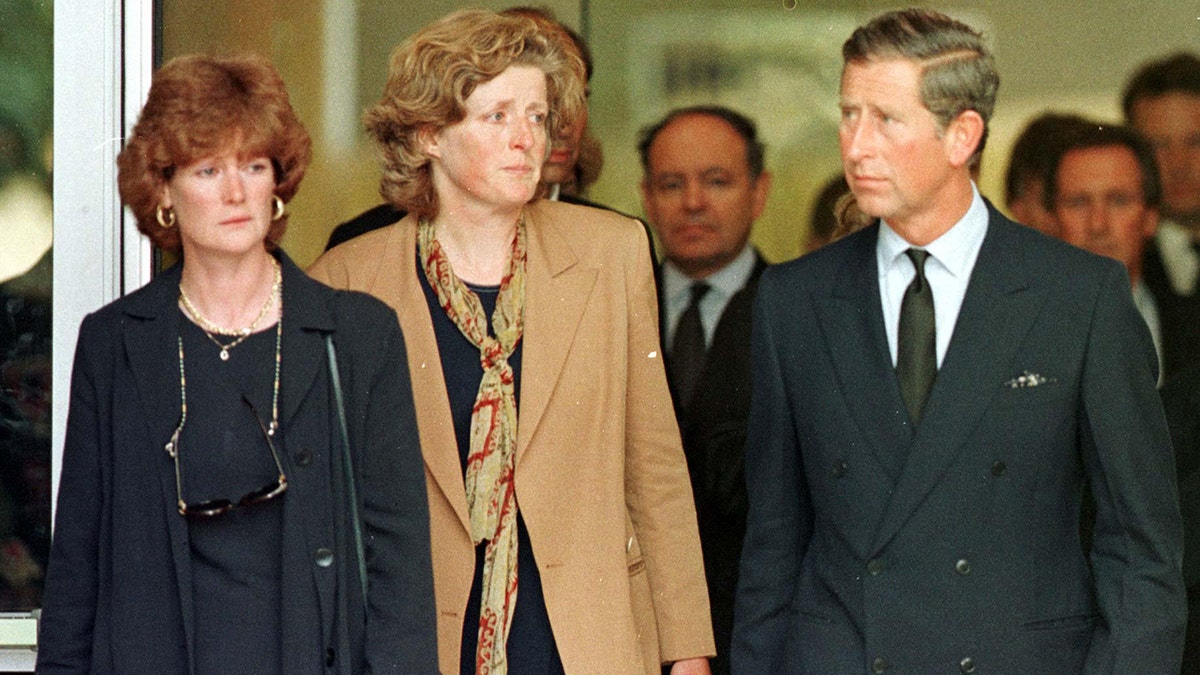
{"x": 434, "y": 72}
{"x": 200, "y": 106}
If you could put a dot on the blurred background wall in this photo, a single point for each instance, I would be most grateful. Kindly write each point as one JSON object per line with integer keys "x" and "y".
{"x": 775, "y": 60}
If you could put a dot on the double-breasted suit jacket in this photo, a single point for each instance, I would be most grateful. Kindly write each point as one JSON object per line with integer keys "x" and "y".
{"x": 119, "y": 590}
{"x": 876, "y": 547}
{"x": 713, "y": 429}
{"x": 600, "y": 476}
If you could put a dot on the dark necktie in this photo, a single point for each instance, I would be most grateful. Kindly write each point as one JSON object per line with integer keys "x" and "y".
{"x": 916, "y": 358}
{"x": 688, "y": 348}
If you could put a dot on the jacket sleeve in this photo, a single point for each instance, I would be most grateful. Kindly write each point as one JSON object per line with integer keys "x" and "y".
{"x": 401, "y": 620}
{"x": 779, "y": 521}
{"x": 72, "y": 578}
{"x": 657, "y": 488}
{"x": 1137, "y": 550}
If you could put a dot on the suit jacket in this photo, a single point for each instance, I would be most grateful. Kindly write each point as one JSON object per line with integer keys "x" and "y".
{"x": 118, "y": 592}
{"x": 1181, "y": 402}
{"x": 874, "y": 546}
{"x": 600, "y": 476}
{"x": 714, "y": 437}
{"x": 1178, "y": 315}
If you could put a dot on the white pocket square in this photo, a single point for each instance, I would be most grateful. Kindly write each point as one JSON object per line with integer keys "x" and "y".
{"x": 1028, "y": 379}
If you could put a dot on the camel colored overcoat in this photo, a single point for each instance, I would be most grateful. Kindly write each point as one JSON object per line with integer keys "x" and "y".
{"x": 600, "y": 474}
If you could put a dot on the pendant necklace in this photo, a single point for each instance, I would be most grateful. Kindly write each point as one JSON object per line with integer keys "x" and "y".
{"x": 211, "y": 330}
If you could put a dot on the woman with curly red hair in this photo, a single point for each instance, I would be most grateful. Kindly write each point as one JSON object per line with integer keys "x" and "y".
{"x": 242, "y": 489}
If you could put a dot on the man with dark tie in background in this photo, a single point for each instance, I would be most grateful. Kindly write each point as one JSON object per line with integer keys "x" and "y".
{"x": 1162, "y": 101}
{"x": 703, "y": 188}
{"x": 930, "y": 395}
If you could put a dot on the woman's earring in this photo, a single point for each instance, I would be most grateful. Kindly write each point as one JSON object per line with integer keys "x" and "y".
{"x": 165, "y": 217}
{"x": 278, "y": 208}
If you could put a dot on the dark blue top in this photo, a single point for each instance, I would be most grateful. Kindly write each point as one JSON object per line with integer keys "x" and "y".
{"x": 531, "y": 647}
{"x": 236, "y": 556}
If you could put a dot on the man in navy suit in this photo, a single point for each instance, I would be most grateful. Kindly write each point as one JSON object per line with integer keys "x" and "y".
{"x": 930, "y": 395}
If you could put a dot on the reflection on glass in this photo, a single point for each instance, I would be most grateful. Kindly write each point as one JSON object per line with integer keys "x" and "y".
{"x": 26, "y": 93}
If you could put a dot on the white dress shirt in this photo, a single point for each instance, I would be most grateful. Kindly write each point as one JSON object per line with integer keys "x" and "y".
{"x": 723, "y": 284}
{"x": 1180, "y": 260}
{"x": 1143, "y": 300}
{"x": 948, "y": 269}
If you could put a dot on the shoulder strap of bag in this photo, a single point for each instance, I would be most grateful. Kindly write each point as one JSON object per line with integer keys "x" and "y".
{"x": 347, "y": 465}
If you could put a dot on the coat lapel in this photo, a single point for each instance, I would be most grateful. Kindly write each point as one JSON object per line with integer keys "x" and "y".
{"x": 308, "y": 510}
{"x": 400, "y": 288}
{"x": 852, "y": 320}
{"x": 307, "y": 317}
{"x": 556, "y": 293}
{"x": 151, "y": 349}
{"x": 998, "y": 309}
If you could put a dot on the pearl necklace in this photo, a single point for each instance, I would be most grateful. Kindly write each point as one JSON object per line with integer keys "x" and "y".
{"x": 211, "y": 329}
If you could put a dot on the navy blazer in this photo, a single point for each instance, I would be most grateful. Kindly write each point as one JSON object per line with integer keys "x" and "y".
{"x": 118, "y": 589}
{"x": 874, "y": 547}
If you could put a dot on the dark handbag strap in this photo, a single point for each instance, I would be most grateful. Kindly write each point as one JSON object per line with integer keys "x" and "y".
{"x": 347, "y": 465}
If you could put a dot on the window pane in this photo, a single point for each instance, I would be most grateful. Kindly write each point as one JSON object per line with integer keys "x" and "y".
{"x": 26, "y": 93}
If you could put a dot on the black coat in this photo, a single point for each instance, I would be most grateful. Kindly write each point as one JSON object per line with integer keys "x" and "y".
{"x": 118, "y": 591}
{"x": 1178, "y": 315}
{"x": 713, "y": 428}
{"x": 1181, "y": 401}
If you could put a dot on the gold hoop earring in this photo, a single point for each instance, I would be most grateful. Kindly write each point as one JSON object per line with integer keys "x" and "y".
{"x": 278, "y": 208}
{"x": 166, "y": 221}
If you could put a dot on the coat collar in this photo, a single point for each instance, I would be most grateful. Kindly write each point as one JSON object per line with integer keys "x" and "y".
{"x": 308, "y": 315}
{"x": 557, "y": 289}
{"x": 853, "y": 320}
{"x": 390, "y": 274}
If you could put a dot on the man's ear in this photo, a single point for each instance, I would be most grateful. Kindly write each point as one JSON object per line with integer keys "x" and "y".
{"x": 1150, "y": 223}
{"x": 762, "y": 188}
{"x": 962, "y": 137}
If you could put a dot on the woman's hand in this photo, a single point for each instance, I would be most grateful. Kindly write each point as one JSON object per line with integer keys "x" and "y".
{"x": 698, "y": 666}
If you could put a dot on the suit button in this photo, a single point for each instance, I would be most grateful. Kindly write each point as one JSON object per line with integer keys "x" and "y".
{"x": 998, "y": 469}
{"x": 303, "y": 457}
{"x": 840, "y": 468}
{"x": 875, "y": 566}
{"x": 963, "y": 567}
{"x": 330, "y": 657}
{"x": 879, "y": 665}
{"x": 323, "y": 557}
{"x": 967, "y": 665}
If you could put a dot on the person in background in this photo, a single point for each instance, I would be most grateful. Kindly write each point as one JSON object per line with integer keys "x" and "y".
{"x": 704, "y": 186}
{"x": 1181, "y": 402}
{"x": 930, "y": 395}
{"x": 205, "y": 521}
{"x": 1030, "y": 163}
{"x": 1162, "y": 101}
{"x": 574, "y": 160}
{"x": 564, "y": 533}
{"x": 1104, "y": 193}
{"x": 823, "y": 222}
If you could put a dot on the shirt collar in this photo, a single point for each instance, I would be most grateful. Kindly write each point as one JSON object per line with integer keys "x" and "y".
{"x": 728, "y": 280}
{"x": 955, "y": 249}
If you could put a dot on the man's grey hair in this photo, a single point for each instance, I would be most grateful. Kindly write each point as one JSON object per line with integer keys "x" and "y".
{"x": 958, "y": 72}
